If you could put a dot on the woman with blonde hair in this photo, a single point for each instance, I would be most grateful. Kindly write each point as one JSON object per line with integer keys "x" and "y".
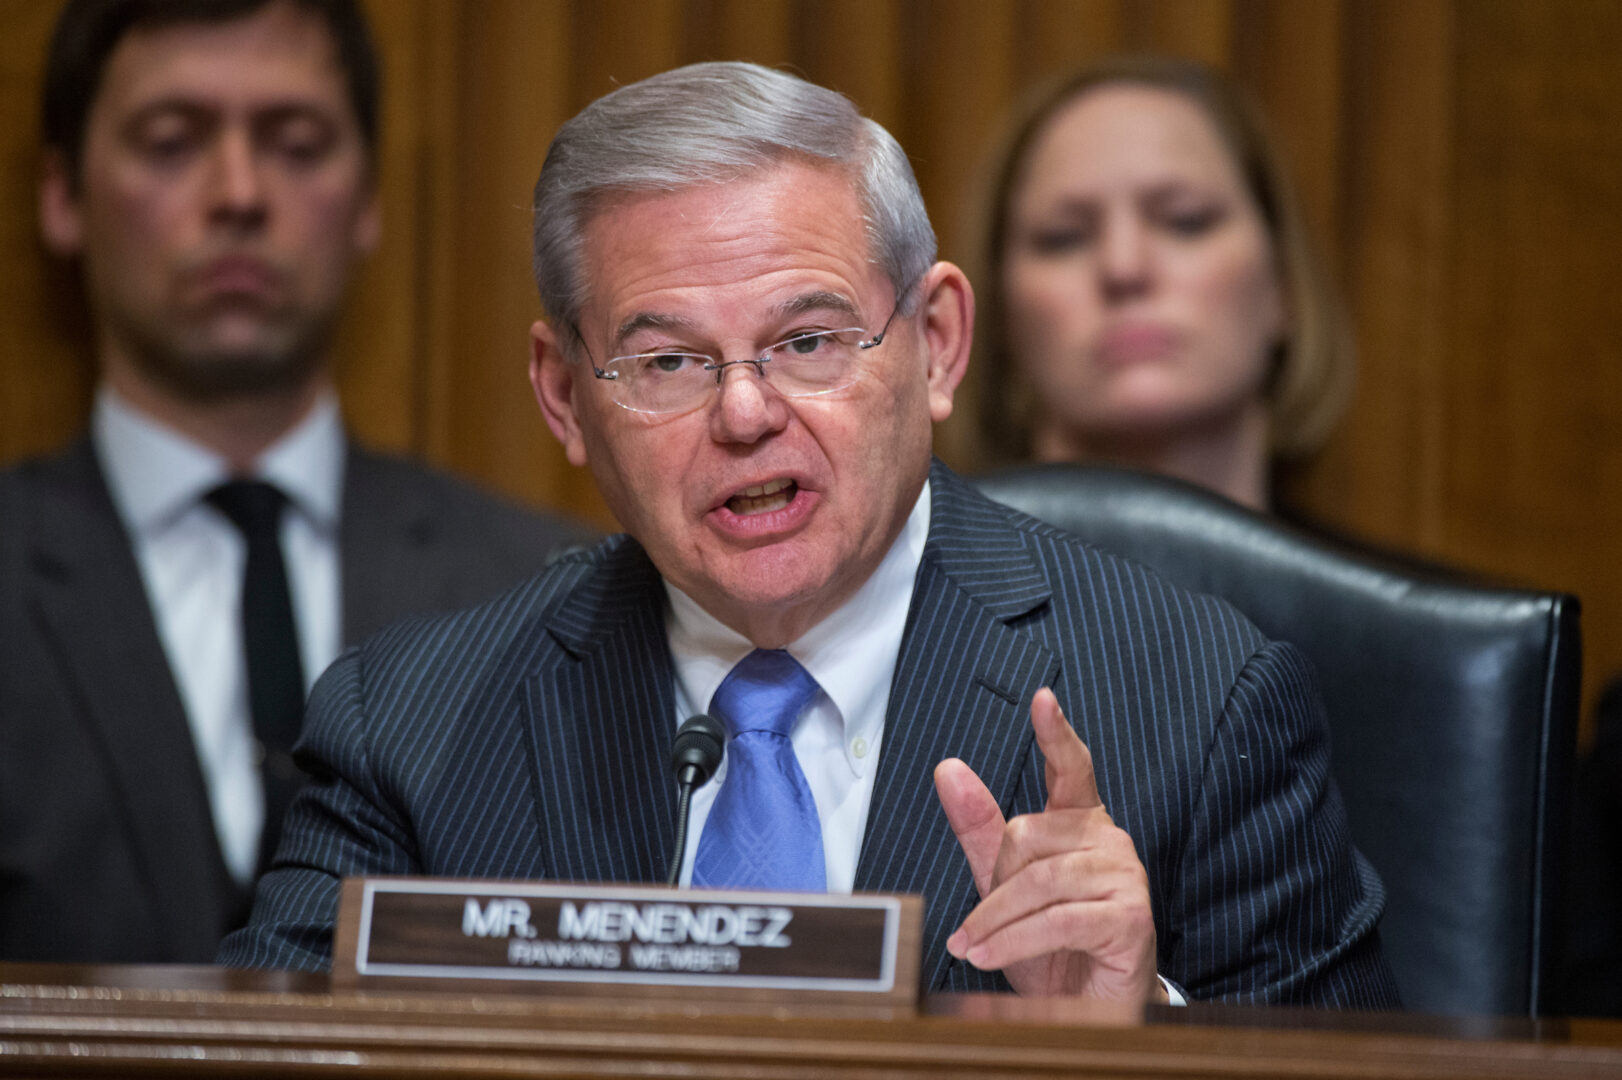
{"x": 1149, "y": 295}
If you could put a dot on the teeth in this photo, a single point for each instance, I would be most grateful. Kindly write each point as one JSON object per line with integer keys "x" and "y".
{"x": 761, "y": 498}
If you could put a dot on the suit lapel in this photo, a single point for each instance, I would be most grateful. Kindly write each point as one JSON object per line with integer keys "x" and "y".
{"x": 94, "y": 614}
{"x": 963, "y": 687}
{"x": 602, "y": 721}
{"x": 383, "y": 534}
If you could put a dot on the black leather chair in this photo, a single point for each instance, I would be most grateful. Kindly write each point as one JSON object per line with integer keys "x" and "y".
{"x": 1452, "y": 710}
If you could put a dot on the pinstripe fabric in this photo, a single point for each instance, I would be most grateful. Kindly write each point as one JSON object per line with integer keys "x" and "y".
{"x": 527, "y": 739}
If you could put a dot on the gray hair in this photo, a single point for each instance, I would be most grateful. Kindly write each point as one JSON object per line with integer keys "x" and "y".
{"x": 708, "y": 124}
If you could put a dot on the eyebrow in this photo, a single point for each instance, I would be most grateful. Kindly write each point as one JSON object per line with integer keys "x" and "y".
{"x": 190, "y": 108}
{"x": 649, "y": 320}
{"x": 202, "y": 104}
{"x": 821, "y": 300}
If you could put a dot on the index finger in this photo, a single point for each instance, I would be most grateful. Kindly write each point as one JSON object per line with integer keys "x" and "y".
{"x": 1071, "y": 783}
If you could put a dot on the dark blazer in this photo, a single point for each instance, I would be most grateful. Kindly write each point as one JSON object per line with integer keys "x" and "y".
{"x": 107, "y": 847}
{"x": 528, "y": 738}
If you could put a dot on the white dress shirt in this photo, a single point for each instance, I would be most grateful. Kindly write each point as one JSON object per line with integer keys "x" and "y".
{"x": 191, "y": 560}
{"x": 852, "y": 654}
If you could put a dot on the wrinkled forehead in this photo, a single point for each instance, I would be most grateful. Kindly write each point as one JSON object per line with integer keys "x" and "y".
{"x": 791, "y": 167}
{"x": 750, "y": 235}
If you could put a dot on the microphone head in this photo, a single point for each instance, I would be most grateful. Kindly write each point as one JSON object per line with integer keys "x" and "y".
{"x": 697, "y": 749}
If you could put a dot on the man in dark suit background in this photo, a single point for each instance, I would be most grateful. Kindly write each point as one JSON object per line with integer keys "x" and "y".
{"x": 211, "y": 165}
{"x": 748, "y": 341}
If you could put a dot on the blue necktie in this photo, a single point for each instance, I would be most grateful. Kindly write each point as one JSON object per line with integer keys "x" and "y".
{"x": 763, "y": 831}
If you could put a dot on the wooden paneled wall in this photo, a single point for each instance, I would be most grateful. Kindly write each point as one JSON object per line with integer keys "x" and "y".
{"x": 1462, "y": 160}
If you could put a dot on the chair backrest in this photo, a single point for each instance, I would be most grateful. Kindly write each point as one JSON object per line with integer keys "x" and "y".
{"x": 1452, "y": 711}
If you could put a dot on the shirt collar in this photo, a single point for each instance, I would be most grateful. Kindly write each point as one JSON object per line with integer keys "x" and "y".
{"x": 852, "y": 653}
{"x": 156, "y": 474}
{"x": 307, "y": 463}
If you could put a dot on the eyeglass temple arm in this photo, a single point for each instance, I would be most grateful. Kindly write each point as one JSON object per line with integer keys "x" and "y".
{"x": 878, "y": 338}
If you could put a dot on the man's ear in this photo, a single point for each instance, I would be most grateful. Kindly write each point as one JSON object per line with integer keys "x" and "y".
{"x": 61, "y": 217}
{"x": 553, "y": 378}
{"x": 948, "y": 301}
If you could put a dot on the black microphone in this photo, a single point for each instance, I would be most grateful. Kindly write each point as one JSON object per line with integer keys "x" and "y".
{"x": 694, "y": 755}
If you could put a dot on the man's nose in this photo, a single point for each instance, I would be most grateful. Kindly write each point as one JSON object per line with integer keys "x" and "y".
{"x": 748, "y": 408}
{"x": 238, "y": 186}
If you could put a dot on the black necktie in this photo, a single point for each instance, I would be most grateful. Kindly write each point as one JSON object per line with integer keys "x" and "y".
{"x": 270, "y": 640}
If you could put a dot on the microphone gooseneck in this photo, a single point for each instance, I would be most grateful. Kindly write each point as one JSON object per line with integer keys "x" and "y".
{"x": 694, "y": 757}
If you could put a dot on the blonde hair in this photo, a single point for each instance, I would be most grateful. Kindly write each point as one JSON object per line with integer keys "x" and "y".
{"x": 1312, "y": 380}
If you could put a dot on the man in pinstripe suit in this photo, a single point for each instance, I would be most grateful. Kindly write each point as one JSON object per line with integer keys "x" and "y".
{"x": 749, "y": 341}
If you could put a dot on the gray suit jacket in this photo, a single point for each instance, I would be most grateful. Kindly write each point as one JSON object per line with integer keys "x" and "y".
{"x": 107, "y": 847}
{"x": 528, "y": 738}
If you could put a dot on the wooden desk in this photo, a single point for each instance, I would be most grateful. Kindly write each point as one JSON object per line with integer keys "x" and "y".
{"x": 59, "y": 1020}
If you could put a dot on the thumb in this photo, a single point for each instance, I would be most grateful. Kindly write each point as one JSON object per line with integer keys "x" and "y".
{"x": 974, "y": 816}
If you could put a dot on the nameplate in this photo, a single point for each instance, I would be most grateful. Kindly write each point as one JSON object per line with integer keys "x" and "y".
{"x": 618, "y": 940}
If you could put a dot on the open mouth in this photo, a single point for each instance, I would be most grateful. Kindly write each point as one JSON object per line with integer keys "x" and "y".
{"x": 763, "y": 498}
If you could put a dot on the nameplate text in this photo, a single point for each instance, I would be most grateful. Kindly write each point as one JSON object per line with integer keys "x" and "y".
{"x": 548, "y": 936}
